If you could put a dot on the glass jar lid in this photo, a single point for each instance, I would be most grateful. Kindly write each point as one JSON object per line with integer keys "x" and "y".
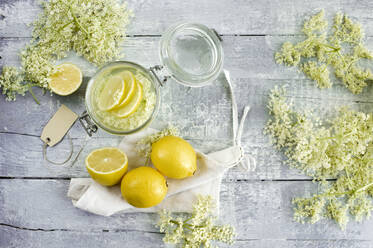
{"x": 192, "y": 54}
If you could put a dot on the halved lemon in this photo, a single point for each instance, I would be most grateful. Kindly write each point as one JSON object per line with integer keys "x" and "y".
{"x": 66, "y": 80}
{"x": 107, "y": 165}
{"x": 132, "y": 105}
{"x": 130, "y": 81}
{"x": 112, "y": 94}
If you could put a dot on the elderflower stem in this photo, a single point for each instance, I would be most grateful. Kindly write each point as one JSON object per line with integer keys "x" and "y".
{"x": 185, "y": 221}
{"x": 364, "y": 187}
{"x": 32, "y": 93}
{"x": 336, "y": 49}
{"x": 334, "y": 194}
{"x": 77, "y": 21}
{"x": 346, "y": 192}
{"x": 336, "y": 137}
{"x": 328, "y": 138}
{"x": 64, "y": 26}
{"x": 186, "y": 225}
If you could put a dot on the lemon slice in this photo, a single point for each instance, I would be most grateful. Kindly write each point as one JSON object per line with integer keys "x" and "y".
{"x": 132, "y": 105}
{"x": 130, "y": 82}
{"x": 66, "y": 80}
{"x": 112, "y": 94}
{"x": 107, "y": 165}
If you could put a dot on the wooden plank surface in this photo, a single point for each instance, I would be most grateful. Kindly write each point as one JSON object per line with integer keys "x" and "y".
{"x": 259, "y": 210}
{"x": 34, "y": 209}
{"x": 206, "y": 120}
{"x": 117, "y": 239}
{"x": 239, "y": 17}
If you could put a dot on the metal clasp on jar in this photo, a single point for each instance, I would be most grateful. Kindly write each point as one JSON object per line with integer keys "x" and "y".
{"x": 87, "y": 123}
{"x": 159, "y": 68}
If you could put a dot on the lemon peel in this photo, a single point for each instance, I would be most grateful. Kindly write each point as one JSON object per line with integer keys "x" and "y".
{"x": 174, "y": 157}
{"x": 144, "y": 187}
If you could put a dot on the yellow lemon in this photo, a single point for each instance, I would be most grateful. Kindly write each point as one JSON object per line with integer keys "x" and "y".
{"x": 132, "y": 105}
{"x": 174, "y": 157}
{"x": 107, "y": 165}
{"x": 112, "y": 93}
{"x": 66, "y": 80}
{"x": 130, "y": 82}
{"x": 144, "y": 187}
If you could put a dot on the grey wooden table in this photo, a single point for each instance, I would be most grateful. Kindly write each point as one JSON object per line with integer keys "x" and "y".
{"x": 34, "y": 209}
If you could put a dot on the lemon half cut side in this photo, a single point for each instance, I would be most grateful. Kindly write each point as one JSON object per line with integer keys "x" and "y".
{"x": 107, "y": 165}
{"x": 66, "y": 80}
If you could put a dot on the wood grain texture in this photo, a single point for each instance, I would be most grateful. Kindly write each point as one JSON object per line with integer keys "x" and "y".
{"x": 239, "y": 17}
{"x": 34, "y": 209}
{"x": 259, "y": 210}
{"x": 14, "y": 238}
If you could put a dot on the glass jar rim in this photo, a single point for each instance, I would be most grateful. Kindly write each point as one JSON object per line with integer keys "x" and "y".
{"x": 180, "y": 75}
{"x": 89, "y": 89}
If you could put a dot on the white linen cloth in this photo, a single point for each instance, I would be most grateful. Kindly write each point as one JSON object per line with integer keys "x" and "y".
{"x": 88, "y": 195}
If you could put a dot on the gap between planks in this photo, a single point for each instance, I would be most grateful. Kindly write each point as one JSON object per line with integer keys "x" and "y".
{"x": 225, "y": 181}
{"x": 160, "y": 35}
{"x": 155, "y": 232}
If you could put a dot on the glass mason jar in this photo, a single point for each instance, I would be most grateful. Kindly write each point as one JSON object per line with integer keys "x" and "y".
{"x": 190, "y": 53}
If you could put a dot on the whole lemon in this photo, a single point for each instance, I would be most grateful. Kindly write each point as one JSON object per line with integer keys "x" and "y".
{"x": 174, "y": 157}
{"x": 144, "y": 187}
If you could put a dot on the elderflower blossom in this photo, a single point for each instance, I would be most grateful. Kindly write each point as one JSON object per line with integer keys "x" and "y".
{"x": 11, "y": 83}
{"x": 223, "y": 233}
{"x": 318, "y": 73}
{"x": 176, "y": 235}
{"x": 198, "y": 230}
{"x": 342, "y": 50}
{"x": 38, "y": 65}
{"x": 310, "y": 208}
{"x": 340, "y": 148}
{"x": 363, "y": 207}
{"x": 93, "y": 29}
{"x": 144, "y": 145}
{"x": 201, "y": 209}
{"x": 338, "y": 212}
{"x": 315, "y": 23}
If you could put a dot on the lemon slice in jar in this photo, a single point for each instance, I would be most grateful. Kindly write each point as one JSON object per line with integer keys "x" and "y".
{"x": 66, "y": 80}
{"x": 107, "y": 165}
{"x": 130, "y": 81}
{"x": 112, "y": 93}
{"x": 132, "y": 104}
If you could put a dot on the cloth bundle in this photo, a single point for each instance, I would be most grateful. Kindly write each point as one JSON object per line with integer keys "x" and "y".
{"x": 88, "y": 195}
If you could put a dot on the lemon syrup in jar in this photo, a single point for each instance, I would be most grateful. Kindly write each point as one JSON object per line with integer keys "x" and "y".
{"x": 190, "y": 53}
{"x": 121, "y": 98}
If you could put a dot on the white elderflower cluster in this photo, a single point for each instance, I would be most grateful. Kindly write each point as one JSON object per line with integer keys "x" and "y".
{"x": 341, "y": 148}
{"x": 11, "y": 83}
{"x": 93, "y": 29}
{"x": 196, "y": 231}
{"x": 319, "y": 73}
{"x": 342, "y": 50}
